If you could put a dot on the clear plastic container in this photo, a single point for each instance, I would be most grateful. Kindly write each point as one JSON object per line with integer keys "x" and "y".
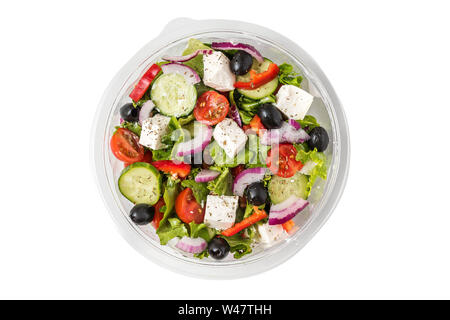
{"x": 326, "y": 108}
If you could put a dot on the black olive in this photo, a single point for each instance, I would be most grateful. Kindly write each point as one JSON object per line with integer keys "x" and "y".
{"x": 318, "y": 139}
{"x": 218, "y": 248}
{"x": 142, "y": 214}
{"x": 129, "y": 113}
{"x": 270, "y": 116}
{"x": 241, "y": 63}
{"x": 256, "y": 193}
{"x": 267, "y": 206}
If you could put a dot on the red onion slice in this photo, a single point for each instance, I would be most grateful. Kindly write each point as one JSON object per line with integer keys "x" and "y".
{"x": 287, "y": 133}
{"x": 234, "y": 114}
{"x": 187, "y": 72}
{"x": 191, "y": 245}
{"x": 286, "y": 210}
{"x": 246, "y": 178}
{"x": 270, "y": 137}
{"x": 295, "y": 124}
{"x": 187, "y": 57}
{"x": 203, "y": 135}
{"x": 239, "y": 46}
{"x": 206, "y": 175}
{"x": 145, "y": 111}
{"x": 291, "y": 135}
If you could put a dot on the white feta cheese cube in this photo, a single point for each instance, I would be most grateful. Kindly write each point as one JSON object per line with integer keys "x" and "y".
{"x": 153, "y": 129}
{"x": 220, "y": 211}
{"x": 293, "y": 101}
{"x": 270, "y": 234}
{"x": 217, "y": 73}
{"x": 230, "y": 137}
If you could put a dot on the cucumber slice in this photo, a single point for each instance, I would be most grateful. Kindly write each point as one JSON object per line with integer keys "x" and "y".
{"x": 264, "y": 90}
{"x": 140, "y": 182}
{"x": 281, "y": 189}
{"x": 173, "y": 95}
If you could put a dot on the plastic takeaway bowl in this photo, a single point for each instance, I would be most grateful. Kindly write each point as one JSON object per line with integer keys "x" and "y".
{"x": 326, "y": 108}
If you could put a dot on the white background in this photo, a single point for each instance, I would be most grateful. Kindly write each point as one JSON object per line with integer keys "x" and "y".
{"x": 390, "y": 234}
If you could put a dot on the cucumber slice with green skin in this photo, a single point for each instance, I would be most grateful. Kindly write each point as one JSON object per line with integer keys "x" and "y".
{"x": 140, "y": 182}
{"x": 264, "y": 90}
{"x": 173, "y": 95}
{"x": 281, "y": 189}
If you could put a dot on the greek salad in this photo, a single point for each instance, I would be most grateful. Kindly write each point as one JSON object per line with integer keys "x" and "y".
{"x": 218, "y": 148}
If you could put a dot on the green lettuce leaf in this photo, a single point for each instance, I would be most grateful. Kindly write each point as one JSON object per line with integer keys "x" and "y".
{"x": 253, "y": 106}
{"x": 203, "y": 254}
{"x": 197, "y": 62}
{"x": 288, "y": 76}
{"x": 267, "y": 178}
{"x": 201, "y": 231}
{"x": 239, "y": 246}
{"x": 222, "y": 185}
{"x": 171, "y": 190}
{"x": 320, "y": 169}
{"x": 248, "y": 210}
{"x": 221, "y": 159}
{"x": 193, "y": 173}
{"x": 186, "y": 120}
{"x": 202, "y": 88}
{"x": 132, "y": 126}
{"x": 246, "y": 117}
{"x": 308, "y": 123}
{"x": 163, "y": 154}
{"x": 253, "y": 155}
{"x": 173, "y": 228}
{"x": 199, "y": 189}
{"x": 174, "y": 135}
{"x": 247, "y": 107}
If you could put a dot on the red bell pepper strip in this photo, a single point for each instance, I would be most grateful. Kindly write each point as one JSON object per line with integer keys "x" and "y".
{"x": 256, "y": 124}
{"x": 288, "y": 225}
{"x": 247, "y": 222}
{"x": 143, "y": 84}
{"x": 158, "y": 213}
{"x": 259, "y": 79}
{"x": 180, "y": 170}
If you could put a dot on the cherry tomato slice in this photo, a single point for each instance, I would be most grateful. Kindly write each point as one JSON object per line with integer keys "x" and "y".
{"x": 236, "y": 170}
{"x": 125, "y": 146}
{"x": 281, "y": 160}
{"x": 147, "y": 158}
{"x": 158, "y": 214}
{"x": 212, "y": 107}
{"x": 187, "y": 208}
